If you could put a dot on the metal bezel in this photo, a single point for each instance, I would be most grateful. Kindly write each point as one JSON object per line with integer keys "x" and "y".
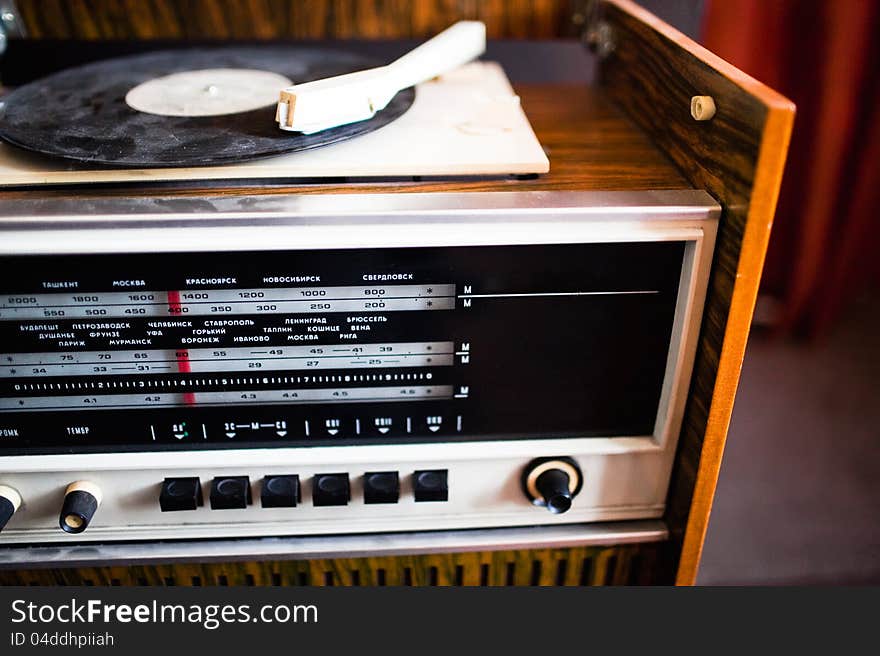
{"x": 275, "y": 221}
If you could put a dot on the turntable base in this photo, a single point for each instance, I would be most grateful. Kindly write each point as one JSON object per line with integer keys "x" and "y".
{"x": 468, "y": 122}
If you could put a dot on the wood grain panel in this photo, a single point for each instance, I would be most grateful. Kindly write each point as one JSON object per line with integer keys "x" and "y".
{"x": 580, "y": 566}
{"x": 738, "y": 156}
{"x": 286, "y": 19}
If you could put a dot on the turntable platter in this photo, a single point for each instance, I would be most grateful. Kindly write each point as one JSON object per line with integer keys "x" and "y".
{"x": 178, "y": 108}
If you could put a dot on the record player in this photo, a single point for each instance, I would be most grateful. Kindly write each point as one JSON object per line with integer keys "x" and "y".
{"x": 91, "y": 129}
{"x": 492, "y": 319}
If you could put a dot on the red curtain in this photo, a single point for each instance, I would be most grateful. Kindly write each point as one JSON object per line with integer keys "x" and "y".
{"x": 825, "y": 56}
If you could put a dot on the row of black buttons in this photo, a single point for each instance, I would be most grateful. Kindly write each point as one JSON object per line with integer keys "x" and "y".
{"x": 229, "y": 492}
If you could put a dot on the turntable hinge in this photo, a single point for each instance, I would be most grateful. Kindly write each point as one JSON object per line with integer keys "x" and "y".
{"x": 595, "y": 32}
{"x": 11, "y": 25}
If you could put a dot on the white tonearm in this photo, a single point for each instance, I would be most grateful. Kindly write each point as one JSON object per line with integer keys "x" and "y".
{"x": 322, "y": 104}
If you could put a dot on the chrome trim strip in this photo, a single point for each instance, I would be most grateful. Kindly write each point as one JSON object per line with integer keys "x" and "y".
{"x": 291, "y": 209}
{"x": 336, "y": 546}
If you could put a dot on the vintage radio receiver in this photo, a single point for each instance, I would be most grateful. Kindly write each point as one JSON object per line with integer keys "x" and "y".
{"x": 268, "y": 365}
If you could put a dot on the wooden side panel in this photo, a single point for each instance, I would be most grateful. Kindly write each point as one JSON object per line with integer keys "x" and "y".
{"x": 289, "y": 19}
{"x": 652, "y": 73}
{"x": 581, "y": 566}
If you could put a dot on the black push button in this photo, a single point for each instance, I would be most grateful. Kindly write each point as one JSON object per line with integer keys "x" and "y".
{"x": 431, "y": 485}
{"x": 230, "y": 492}
{"x": 331, "y": 490}
{"x": 381, "y": 487}
{"x": 180, "y": 494}
{"x": 280, "y": 491}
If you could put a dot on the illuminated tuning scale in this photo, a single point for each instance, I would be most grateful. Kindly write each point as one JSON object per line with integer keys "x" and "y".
{"x": 148, "y": 377}
{"x": 210, "y": 360}
{"x": 227, "y": 302}
{"x": 255, "y": 397}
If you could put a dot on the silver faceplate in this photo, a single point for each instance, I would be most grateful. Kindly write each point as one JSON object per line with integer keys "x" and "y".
{"x": 633, "y": 471}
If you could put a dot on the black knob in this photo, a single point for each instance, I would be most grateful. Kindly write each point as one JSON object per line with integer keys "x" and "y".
{"x": 10, "y": 500}
{"x": 552, "y": 483}
{"x": 81, "y": 500}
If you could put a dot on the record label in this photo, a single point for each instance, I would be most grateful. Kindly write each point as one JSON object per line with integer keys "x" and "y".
{"x": 209, "y": 92}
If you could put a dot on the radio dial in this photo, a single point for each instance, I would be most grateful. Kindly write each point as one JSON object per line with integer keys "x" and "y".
{"x": 552, "y": 483}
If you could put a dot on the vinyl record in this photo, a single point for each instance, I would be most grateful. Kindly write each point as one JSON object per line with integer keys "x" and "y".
{"x": 82, "y": 113}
